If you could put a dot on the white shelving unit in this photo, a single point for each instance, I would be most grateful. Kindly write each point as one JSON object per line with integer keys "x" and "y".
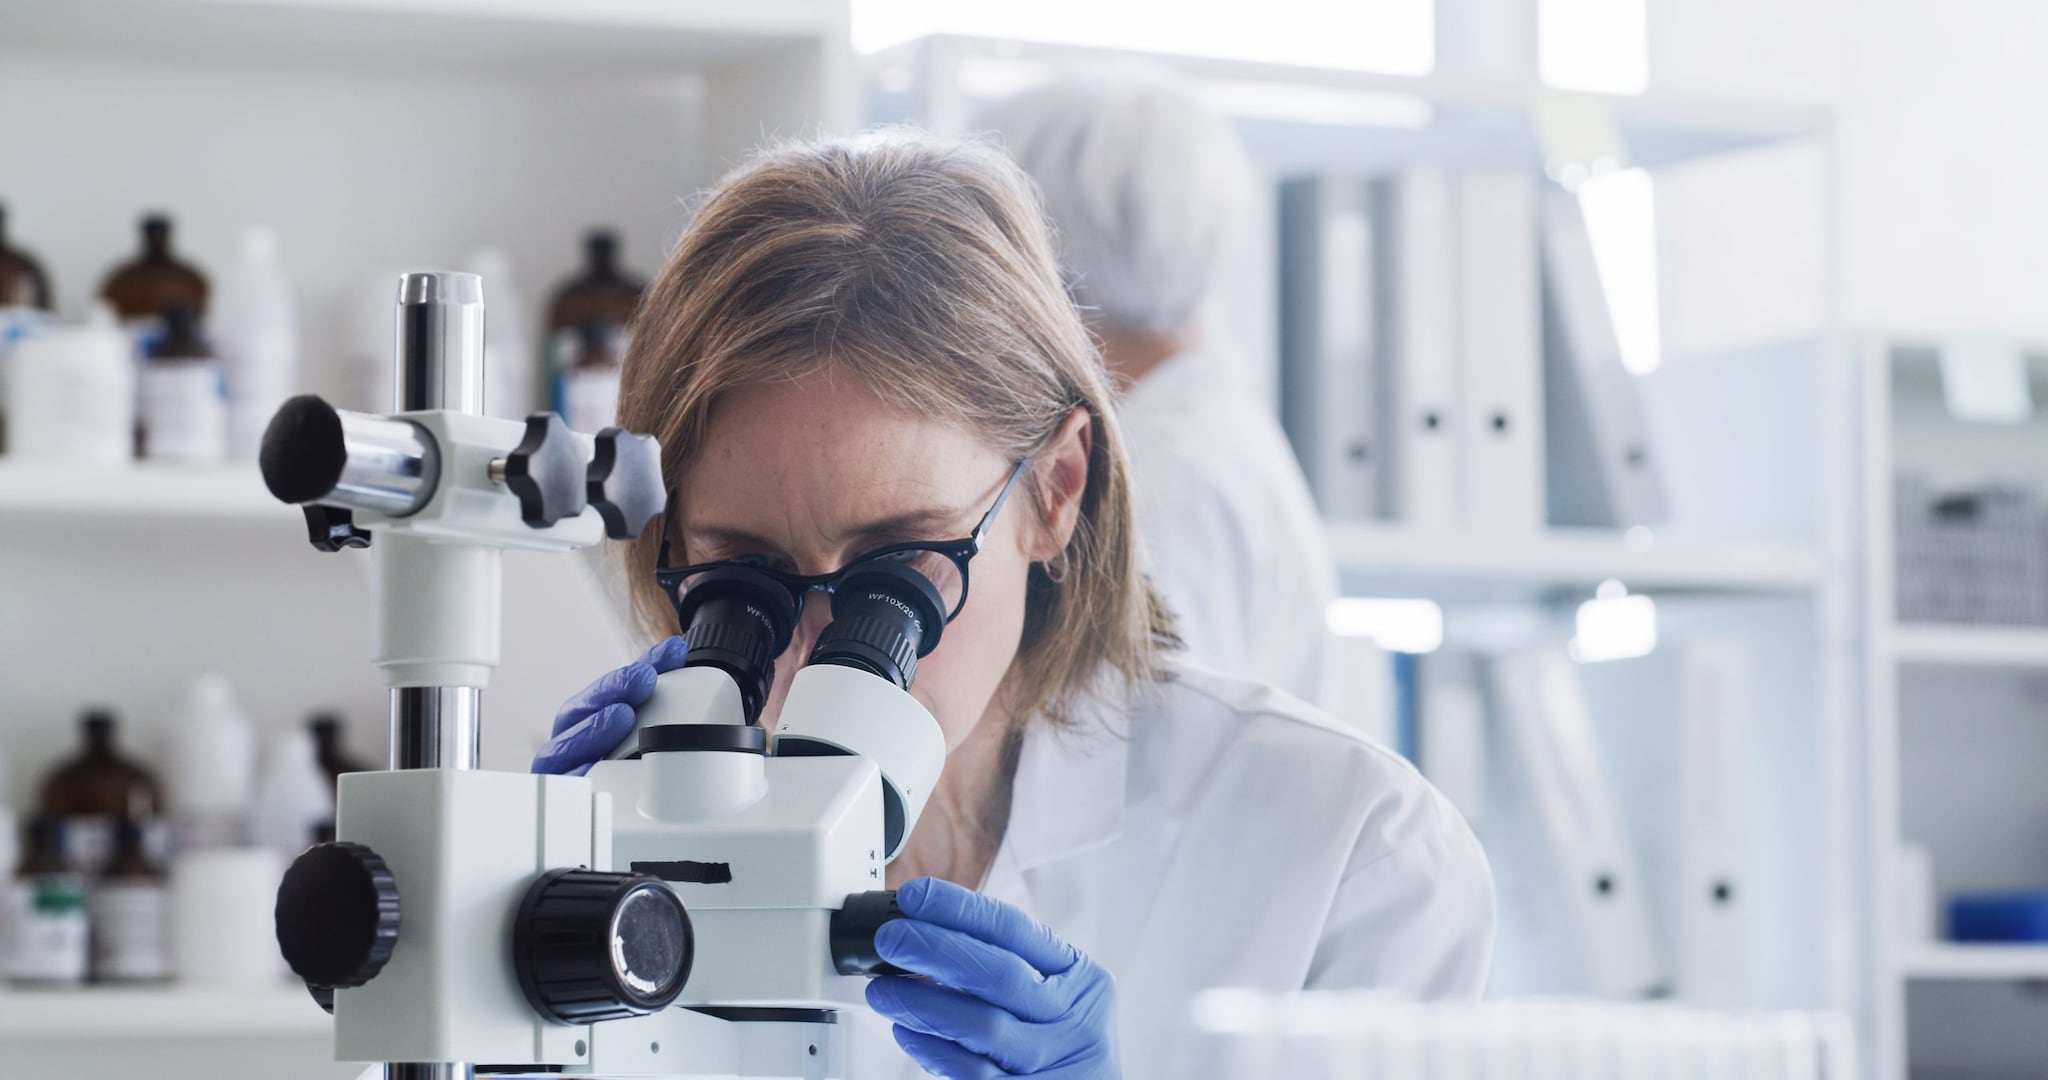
{"x": 43, "y": 495}
{"x": 1975, "y": 646}
{"x": 1391, "y": 561}
{"x": 1756, "y": 434}
{"x": 161, "y": 1013}
{"x": 374, "y": 136}
{"x": 1934, "y": 963}
{"x": 1947, "y": 705}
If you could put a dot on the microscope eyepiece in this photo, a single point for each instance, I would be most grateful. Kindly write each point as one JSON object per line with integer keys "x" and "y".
{"x": 884, "y": 616}
{"x": 738, "y": 620}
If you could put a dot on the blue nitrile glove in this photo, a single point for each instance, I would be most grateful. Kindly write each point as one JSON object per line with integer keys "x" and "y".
{"x": 1007, "y": 997}
{"x": 594, "y": 721}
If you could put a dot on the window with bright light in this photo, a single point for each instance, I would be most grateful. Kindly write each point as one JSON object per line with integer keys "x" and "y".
{"x": 1597, "y": 45}
{"x": 1621, "y": 221}
{"x": 1409, "y": 626}
{"x": 1394, "y": 36}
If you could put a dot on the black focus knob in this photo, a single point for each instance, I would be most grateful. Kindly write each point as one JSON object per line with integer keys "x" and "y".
{"x": 546, "y": 472}
{"x": 624, "y": 483}
{"x": 337, "y": 915}
{"x": 851, "y": 936}
{"x": 593, "y": 946}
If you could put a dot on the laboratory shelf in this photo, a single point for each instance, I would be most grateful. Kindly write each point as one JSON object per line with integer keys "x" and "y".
{"x": 1953, "y": 962}
{"x": 1393, "y": 561}
{"x": 226, "y": 494}
{"x": 614, "y": 37}
{"x": 1980, "y": 646}
{"x": 166, "y": 1012}
{"x": 1286, "y": 112}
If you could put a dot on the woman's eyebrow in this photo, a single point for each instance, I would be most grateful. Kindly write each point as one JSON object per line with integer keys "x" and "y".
{"x": 908, "y": 523}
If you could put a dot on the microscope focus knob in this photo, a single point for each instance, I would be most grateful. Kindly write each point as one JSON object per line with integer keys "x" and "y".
{"x": 546, "y": 472}
{"x": 591, "y": 946}
{"x": 625, "y": 482}
{"x": 337, "y": 915}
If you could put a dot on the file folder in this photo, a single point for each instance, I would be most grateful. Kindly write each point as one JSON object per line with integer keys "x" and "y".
{"x": 1710, "y": 895}
{"x": 1327, "y": 373}
{"x": 1500, "y": 419}
{"x": 1416, "y": 275}
{"x": 1603, "y": 469}
{"x": 1547, "y": 732}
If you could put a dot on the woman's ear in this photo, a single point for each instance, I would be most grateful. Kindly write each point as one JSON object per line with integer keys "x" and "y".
{"x": 1062, "y": 480}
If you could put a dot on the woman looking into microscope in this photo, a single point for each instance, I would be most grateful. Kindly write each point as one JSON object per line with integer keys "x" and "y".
{"x": 865, "y": 342}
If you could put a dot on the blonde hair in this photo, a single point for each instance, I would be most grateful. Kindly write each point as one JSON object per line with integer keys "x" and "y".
{"x": 925, "y": 268}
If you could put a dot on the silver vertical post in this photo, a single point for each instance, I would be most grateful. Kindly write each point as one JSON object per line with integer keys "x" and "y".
{"x": 439, "y": 364}
{"x": 440, "y": 343}
{"x": 428, "y": 1070}
{"x": 436, "y": 727}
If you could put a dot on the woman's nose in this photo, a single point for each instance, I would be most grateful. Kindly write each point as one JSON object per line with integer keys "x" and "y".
{"x": 817, "y": 611}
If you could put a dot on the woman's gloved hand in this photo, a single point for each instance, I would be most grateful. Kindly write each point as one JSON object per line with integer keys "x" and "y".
{"x": 1007, "y": 997}
{"x": 594, "y": 721}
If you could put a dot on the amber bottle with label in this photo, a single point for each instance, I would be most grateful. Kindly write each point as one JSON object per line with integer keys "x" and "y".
{"x": 129, "y": 906}
{"x": 602, "y": 295}
{"x": 141, "y": 288}
{"x": 334, "y": 756}
{"x": 23, "y": 284}
{"x": 97, "y": 788}
{"x": 48, "y": 944}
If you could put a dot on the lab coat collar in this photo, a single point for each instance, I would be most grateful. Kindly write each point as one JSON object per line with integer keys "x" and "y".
{"x": 1070, "y": 786}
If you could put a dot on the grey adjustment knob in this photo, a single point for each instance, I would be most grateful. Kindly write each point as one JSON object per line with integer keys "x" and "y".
{"x": 546, "y": 471}
{"x": 624, "y": 482}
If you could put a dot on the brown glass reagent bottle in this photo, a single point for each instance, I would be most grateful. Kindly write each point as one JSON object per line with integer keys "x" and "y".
{"x": 97, "y": 788}
{"x": 155, "y": 278}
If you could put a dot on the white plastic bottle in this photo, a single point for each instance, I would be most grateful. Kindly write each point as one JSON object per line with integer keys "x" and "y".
{"x": 295, "y": 797}
{"x": 212, "y": 768}
{"x": 509, "y": 379}
{"x": 367, "y": 335}
{"x": 255, "y": 333}
{"x": 71, "y": 391}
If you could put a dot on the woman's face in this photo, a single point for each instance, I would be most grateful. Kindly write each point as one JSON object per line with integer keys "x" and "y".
{"x": 809, "y": 474}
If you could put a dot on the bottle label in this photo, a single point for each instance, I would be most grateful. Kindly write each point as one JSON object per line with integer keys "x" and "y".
{"x": 144, "y": 331}
{"x": 17, "y": 323}
{"x": 92, "y": 842}
{"x": 128, "y": 931}
{"x": 48, "y": 943}
{"x": 591, "y": 399}
{"x": 184, "y": 412}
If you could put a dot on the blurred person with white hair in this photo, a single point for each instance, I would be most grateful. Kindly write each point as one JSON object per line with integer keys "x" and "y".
{"x": 1147, "y": 191}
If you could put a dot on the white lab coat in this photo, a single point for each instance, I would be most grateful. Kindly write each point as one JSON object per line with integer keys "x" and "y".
{"x": 1235, "y": 543}
{"x": 1226, "y": 834}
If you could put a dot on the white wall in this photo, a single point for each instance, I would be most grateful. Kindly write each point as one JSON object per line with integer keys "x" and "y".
{"x": 1940, "y": 103}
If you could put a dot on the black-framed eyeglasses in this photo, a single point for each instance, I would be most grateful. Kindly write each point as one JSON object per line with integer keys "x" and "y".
{"x": 944, "y": 562}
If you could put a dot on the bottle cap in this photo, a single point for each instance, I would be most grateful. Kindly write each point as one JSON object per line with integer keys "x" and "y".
{"x": 156, "y": 226}
{"x": 98, "y": 722}
{"x": 602, "y": 245}
{"x": 211, "y": 692}
{"x": 490, "y": 264}
{"x": 259, "y": 244}
{"x": 324, "y": 725}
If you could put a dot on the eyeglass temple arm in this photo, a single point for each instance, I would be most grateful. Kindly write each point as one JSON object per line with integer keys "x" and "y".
{"x": 1003, "y": 496}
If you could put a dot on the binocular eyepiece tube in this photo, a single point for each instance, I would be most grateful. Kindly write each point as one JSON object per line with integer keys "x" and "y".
{"x": 884, "y": 616}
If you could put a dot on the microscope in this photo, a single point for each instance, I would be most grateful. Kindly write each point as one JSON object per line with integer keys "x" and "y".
{"x": 703, "y": 903}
